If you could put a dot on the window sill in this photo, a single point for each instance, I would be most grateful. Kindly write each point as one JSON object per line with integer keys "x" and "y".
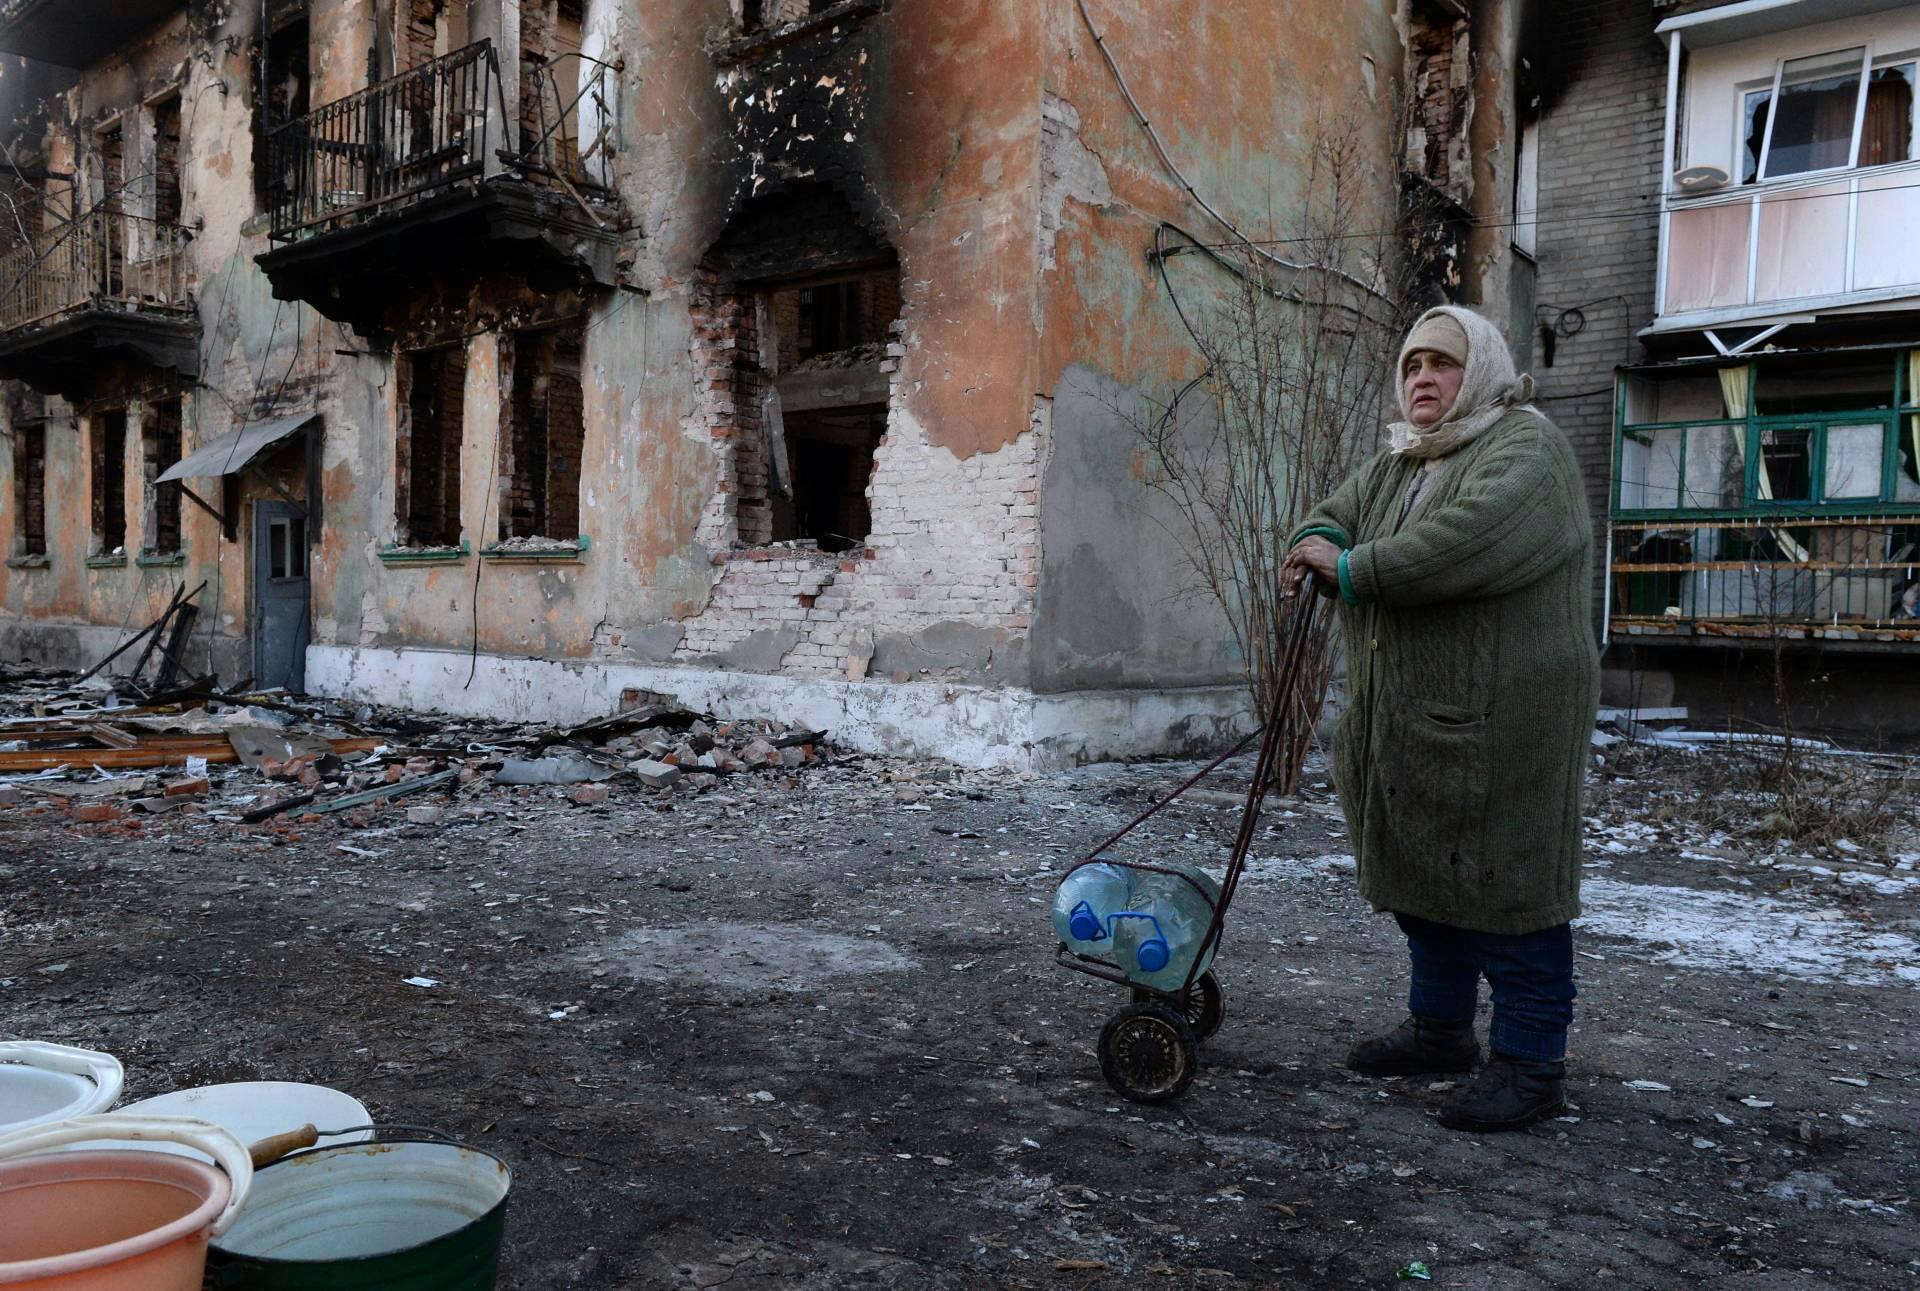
{"x": 555, "y": 553}
{"x": 160, "y": 559}
{"x": 107, "y": 562}
{"x": 28, "y": 562}
{"x": 396, "y": 555}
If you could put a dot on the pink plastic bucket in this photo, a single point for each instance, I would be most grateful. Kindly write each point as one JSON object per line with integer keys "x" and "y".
{"x": 118, "y": 1220}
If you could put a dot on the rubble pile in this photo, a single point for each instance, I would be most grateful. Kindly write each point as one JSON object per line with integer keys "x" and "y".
{"x": 252, "y": 756}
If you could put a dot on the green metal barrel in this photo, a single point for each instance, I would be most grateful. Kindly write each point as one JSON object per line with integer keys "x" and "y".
{"x": 385, "y": 1216}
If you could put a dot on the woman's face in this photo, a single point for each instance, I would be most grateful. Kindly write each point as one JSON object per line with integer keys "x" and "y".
{"x": 1429, "y": 384}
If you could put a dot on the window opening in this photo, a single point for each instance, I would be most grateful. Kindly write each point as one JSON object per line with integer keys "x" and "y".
{"x": 543, "y": 467}
{"x": 1886, "y": 131}
{"x": 1786, "y": 464}
{"x": 109, "y": 480}
{"x": 30, "y": 486}
{"x": 434, "y": 407}
{"x": 1754, "y": 139}
{"x": 283, "y": 97}
{"x": 1815, "y": 111}
{"x": 287, "y": 547}
{"x": 830, "y": 460}
{"x": 160, "y": 448}
{"x": 1854, "y": 456}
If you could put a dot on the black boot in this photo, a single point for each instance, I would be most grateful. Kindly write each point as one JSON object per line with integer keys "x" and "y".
{"x": 1511, "y": 1094}
{"x": 1417, "y": 1047}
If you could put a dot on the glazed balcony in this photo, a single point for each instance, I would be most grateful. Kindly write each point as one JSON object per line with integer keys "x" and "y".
{"x": 412, "y": 180}
{"x": 107, "y": 285}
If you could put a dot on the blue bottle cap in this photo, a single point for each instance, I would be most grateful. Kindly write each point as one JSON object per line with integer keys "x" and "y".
{"x": 1084, "y": 924}
{"x": 1153, "y": 954}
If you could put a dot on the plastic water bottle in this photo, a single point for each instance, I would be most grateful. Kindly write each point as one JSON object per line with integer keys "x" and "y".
{"x": 1147, "y": 924}
{"x": 1081, "y": 907}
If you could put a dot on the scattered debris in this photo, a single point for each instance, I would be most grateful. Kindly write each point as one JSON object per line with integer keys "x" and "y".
{"x": 73, "y": 744}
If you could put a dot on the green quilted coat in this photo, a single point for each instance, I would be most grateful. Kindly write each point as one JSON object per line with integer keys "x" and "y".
{"x": 1473, "y": 679}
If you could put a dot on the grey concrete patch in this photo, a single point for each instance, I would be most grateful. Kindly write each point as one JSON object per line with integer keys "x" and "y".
{"x": 761, "y": 652}
{"x": 954, "y": 650}
{"x": 656, "y": 642}
{"x": 747, "y": 956}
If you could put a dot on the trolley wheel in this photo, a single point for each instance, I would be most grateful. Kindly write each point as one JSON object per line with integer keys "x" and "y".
{"x": 1206, "y": 1007}
{"x": 1147, "y": 1053}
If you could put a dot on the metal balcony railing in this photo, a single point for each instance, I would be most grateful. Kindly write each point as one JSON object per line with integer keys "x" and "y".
{"x": 430, "y": 129}
{"x": 389, "y": 144}
{"x": 104, "y": 259}
{"x": 1842, "y": 578}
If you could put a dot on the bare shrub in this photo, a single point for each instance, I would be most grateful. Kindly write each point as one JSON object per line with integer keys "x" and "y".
{"x": 1299, "y": 345}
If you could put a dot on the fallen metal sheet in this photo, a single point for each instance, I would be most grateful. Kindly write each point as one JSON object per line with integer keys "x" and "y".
{"x": 259, "y": 745}
{"x": 399, "y": 789}
{"x": 230, "y": 452}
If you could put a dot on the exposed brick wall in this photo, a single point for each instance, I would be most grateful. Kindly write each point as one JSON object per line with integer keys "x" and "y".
{"x": 1440, "y": 72}
{"x": 952, "y": 541}
{"x": 725, "y": 352}
{"x": 1600, "y": 152}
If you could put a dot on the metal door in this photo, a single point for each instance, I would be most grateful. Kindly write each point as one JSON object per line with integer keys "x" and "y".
{"x": 280, "y": 617}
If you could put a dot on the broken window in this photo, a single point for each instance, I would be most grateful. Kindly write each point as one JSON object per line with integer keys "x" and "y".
{"x": 830, "y": 460}
{"x": 30, "y": 484}
{"x": 432, "y": 414}
{"x": 282, "y": 97}
{"x": 160, "y": 449}
{"x": 107, "y": 436}
{"x": 542, "y": 470}
{"x": 167, "y": 205}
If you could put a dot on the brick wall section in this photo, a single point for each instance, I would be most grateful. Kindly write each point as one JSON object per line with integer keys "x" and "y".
{"x": 725, "y": 353}
{"x": 1600, "y": 154}
{"x": 1442, "y": 70}
{"x": 953, "y": 540}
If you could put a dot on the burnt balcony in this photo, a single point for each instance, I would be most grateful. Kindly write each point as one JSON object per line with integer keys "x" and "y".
{"x": 84, "y": 294}
{"x": 411, "y": 183}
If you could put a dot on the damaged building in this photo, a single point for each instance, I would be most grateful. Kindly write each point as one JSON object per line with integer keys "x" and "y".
{"x": 503, "y": 356}
{"x": 1730, "y": 303}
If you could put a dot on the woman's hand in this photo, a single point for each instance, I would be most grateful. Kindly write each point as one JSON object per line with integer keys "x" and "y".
{"x": 1314, "y": 555}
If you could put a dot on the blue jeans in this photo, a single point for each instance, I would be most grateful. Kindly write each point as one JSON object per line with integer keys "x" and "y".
{"x": 1531, "y": 976}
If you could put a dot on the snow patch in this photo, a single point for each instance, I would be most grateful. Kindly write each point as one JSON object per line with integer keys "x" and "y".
{"x": 1725, "y": 931}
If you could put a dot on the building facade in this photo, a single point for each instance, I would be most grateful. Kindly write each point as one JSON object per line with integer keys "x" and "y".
{"x": 508, "y": 356}
{"x": 1730, "y": 275}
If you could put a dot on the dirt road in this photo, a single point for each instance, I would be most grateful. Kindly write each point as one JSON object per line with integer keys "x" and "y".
{"x": 811, "y": 1037}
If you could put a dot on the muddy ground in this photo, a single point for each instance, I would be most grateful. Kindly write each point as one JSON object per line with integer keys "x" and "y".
{"x": 805, "y": 1032}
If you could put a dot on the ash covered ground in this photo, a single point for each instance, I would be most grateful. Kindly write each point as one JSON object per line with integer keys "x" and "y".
{"x": 800, "y": 1028}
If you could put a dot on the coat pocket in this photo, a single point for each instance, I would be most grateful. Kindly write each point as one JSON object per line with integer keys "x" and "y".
{"x": 1433, "y": 770}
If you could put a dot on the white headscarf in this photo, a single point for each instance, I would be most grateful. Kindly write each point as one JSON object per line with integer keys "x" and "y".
{"x": 1490, "y": 388}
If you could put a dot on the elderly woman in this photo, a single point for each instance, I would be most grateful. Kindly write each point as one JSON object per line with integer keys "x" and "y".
{"x": 1462, "y": 560}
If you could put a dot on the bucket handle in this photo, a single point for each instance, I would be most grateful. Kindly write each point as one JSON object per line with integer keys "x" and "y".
{"x": 202, "y": 1136}
{"x": 103, "y": 1069}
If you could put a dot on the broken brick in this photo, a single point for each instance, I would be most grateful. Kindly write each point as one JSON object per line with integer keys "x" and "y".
{"x": 96, "y": 813}
{"x": 655, "y": 775}
{"x": 588, "y": 795}
{"x": 191, "y": 787}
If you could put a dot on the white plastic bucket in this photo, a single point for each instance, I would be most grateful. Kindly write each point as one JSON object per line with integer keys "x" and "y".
{"x": 41, "y": 1083}
{"x": 252, "y": 1110}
